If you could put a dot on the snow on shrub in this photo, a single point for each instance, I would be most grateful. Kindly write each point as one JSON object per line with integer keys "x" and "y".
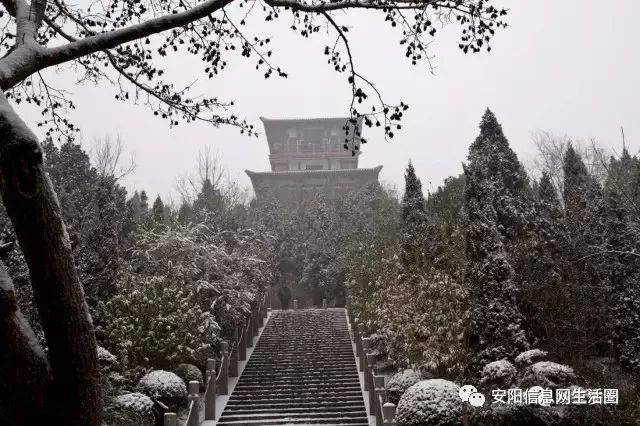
{"x": 165, "y": 387}
{"x": 189, "y": 372}
{"x": 430, "y": 402}
{"x": 424, "y": 318}
{"x": 155, "y": 324}
{"x": 498, "y": 373}
{"x": 547, "y": 374}
{"x": 400, "y": 382}
{"x": 529, "y": 357}
{"x": 106, "y": 359}
{"x": 131, "y": 409}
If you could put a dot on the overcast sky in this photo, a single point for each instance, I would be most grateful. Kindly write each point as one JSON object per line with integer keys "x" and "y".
{"x": 570, "y": 67}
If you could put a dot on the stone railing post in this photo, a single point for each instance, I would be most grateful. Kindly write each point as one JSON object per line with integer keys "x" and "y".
{"x": 233, "y": 356}
{"x": 222, "y": 386}
{"x": 295, "y": 304}
{"x": 242, "y": 345}
{"x": 358, "y": 342}
{"x": 368, "y": 378}
{"x": 194, "y": 403}
{"x": 210, "y": 391}
{"x": 170, "y": 419}
{"x": 389, "y": 414}
{"x": 380, "y": 397}
{"x": 248, "y": 334}
{"x": 363, "y": 352}
{"x": 210, "y": 370}
{"x": 365, "y": 365}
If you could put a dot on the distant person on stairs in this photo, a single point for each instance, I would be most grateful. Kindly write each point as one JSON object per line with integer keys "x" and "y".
{"x": 284, "y": 294}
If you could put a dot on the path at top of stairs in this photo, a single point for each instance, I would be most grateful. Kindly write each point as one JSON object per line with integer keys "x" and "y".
{"x": 302, "y": 371}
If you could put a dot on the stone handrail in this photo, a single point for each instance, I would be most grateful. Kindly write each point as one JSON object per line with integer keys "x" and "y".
{"x": 218, "y": 384}
{"x": 384, "y": 411}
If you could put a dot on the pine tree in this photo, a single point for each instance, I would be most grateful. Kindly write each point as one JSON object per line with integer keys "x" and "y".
{"x": 144, "y": 202}
{"x": 492, "y": 174}
{"x": 621, "y": 260}
{"x": 445, "y": 209}
{"x": 585, "y": 268}
{"x": 209, "y": 199}
{"x": 185, "y": 213}
{"x": 413, "y": 238}
{"x": 544, "y": 297}
{"x": 158, "y": 211}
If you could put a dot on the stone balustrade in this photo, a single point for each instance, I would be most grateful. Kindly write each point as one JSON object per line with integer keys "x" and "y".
{"x": 218, "y": 383}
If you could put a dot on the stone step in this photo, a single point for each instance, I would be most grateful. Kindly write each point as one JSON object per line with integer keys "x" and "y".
{"x": 292, "y": 415}
{"x": 297, "y": 403}
{"x": 307, "y": 410}
{"x": 302, "y": 371}
{"x": 301, "y": 421}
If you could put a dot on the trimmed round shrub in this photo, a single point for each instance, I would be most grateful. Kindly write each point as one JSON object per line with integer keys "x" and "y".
{"x": 166, "y": 387}
{"x": 189, "y": 372}
{"x": 106, "y": 359}
{"x": 131, "y": 409}
{"x": 548, "y": 375}
{"x": 498, "y": 373}
{"x": 400, "y": 382}
{"x": 433, "y": 402}
{"x": 529, "y": 357}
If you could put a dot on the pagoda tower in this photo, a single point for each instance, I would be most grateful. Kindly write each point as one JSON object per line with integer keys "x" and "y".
{"x": 308, "y": 156}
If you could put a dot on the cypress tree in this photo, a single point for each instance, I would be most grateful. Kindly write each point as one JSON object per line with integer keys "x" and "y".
{"x": 622, "y": 262}
{"x": 496, "y": 329}
{"x": 584, "y": 266}
{"x": 157, "y": 211}
{"x": 209, "y": 198}
{"x": 144, "y": 202}
{"x": 413, "y": 223}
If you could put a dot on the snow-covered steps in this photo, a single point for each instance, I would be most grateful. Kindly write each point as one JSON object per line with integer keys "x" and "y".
{"x": 302, "y": 371}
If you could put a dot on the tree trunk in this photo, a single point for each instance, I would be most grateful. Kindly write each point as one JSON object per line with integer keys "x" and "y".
{"x": 33, "y": 208}
{"x": 25, "y": 378}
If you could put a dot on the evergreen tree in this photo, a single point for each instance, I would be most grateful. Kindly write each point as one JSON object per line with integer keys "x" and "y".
{"x": 544, "y": 299}
{"x": 413, "y": 238}
{"x": 158, "y": 210}
{"x": 496, "y": 326}
{"x": 185, "y": 213}
{"x": 445, "y": 210}
{"x": 585, "y": 268}
{"x": 621, "y": 259}
{"x": 94, "y": 211}
{"x": 144, "y": 202}
{"x": 209, "y": 199}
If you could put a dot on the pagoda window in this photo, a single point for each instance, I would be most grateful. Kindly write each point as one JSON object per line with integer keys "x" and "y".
{"x": 279, "y": 147}
{"x": 305, "y": 146}
{"x": 347, "y": 164}
{"x": 280, "y": 167}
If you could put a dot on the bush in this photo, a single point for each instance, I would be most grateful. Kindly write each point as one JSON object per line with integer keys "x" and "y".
{"x": 131, "y": 409}
{"x": 106, "y": 360}
{"x": 154, "y": 323}
{"x": 188, "y": 373}
{"x": 432, "y": 402}
{"x": 400, "y": 382}
{"x": 424, "y": 318}
{"x": 165, "y": 387}
{"x": 500, "y": 374}
{"x": 529, "y": 357}
{"x": 548, "y": 375}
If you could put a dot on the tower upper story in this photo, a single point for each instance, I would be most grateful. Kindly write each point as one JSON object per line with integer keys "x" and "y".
{"x": 311, "y": 144}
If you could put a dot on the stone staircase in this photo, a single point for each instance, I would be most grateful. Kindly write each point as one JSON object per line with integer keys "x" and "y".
{"x": 302, "y": 371}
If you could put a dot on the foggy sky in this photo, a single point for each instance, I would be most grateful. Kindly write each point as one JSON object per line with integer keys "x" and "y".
{"x": 569, "y": 67}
